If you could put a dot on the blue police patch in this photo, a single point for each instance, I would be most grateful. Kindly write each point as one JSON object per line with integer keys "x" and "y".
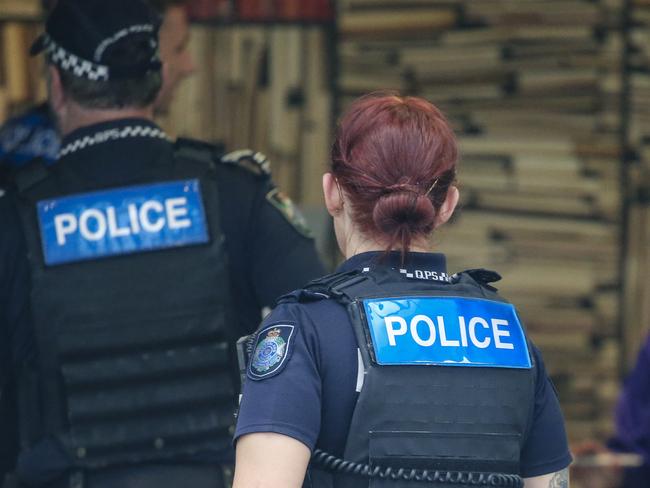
{"x": 446, "y": 331}
{"x": 272, "y": 350}
{"x": 122, "y": 221}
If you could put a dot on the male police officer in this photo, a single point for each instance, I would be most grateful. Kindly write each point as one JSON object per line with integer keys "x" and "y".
{"x": 146, "y": 260}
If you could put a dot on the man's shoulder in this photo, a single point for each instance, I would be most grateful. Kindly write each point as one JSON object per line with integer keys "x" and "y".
{"x": 248, "y": 160}
{"x": 242, "y": 161}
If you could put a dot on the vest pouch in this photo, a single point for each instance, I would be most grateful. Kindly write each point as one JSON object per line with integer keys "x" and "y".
{"x": 152, "y": 386}
{"x": 498, "y": 453}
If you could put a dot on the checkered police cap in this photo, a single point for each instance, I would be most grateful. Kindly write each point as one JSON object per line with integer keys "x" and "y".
{"x": 83, "y": 37}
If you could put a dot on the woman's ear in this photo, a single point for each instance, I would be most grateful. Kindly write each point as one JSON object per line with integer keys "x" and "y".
{"x": 448, "y": 206}
{"x": 332, "y": 194}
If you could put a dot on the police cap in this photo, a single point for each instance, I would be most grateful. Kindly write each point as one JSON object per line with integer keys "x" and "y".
{"x": 83, "y": 37}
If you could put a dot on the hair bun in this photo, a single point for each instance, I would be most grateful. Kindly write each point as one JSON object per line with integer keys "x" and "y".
{"x": 405, "y": 208}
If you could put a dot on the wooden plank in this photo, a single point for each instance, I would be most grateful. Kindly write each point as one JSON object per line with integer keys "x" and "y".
{"x": 16, "y": 67}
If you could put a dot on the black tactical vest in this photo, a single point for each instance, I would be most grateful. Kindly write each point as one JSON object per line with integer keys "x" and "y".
{"x": 434, "y": 418}
{"x": 135, "y": 363}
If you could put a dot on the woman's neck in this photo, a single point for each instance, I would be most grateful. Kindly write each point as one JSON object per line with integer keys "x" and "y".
{"x": 359, "y": 244}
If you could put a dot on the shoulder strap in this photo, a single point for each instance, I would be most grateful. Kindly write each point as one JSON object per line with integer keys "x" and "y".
{"x": 481, "y": 276}
{"x": 252, "y": 161}
{"x": 320, "y": 288}
{"x": 204, "y": 152}
{"x": 345, "y": 287}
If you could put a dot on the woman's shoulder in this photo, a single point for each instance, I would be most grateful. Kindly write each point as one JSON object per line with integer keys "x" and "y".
{"x": 309, "y": 308}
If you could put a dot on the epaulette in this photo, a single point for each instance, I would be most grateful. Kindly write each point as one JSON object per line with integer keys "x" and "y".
{"x": 253, "y": 161}
{"x": 198, "y": 150}
{"x": 480, "y": 275}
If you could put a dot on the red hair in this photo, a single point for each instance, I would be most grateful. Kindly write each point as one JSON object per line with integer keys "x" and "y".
{"x": 395, "y": 157}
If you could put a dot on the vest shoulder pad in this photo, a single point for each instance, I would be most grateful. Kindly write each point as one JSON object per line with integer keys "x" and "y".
{"x": 318, "y": 289}
{"x": 302, "y": 296}
{"x": 252, "y": 161}
{"x": 481, "y": 276}
{"x": 30, "y": 175}
{"x": 200, "y": 151}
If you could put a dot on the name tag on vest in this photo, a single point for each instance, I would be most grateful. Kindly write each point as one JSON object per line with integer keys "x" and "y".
{"x": 122, "y": 221}
{"x": 446, "y": 331}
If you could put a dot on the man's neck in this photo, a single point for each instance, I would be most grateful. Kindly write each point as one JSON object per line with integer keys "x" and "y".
{"x": 79, "y": 117}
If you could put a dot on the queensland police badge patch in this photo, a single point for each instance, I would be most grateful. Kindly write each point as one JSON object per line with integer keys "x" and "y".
{"x": 272, "y": 349}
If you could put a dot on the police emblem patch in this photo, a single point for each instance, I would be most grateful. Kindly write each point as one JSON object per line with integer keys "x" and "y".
{"x": 289, "y": 210}
{"x": 271, "y": 351}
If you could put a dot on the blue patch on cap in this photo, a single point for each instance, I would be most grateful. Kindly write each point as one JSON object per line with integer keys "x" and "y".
{"x": 272, "y": 350}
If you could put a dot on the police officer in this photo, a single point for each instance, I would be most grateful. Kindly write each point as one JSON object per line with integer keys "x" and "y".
{"x": 391, "y": 370}
{"x": 32, "y": 136}
{"x": 146, "y": 260}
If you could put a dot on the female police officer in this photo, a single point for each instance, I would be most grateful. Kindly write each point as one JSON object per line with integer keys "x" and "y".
{"x": 391, "y": 370}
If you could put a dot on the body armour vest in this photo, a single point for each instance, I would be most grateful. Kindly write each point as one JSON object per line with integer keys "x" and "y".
{"x": 135, "y": 364}
{"x": 448, "y": 389}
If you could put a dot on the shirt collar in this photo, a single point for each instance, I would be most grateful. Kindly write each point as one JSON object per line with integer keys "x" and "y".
{"x": 422, "y": 265}
{"x": 113, "y": 130}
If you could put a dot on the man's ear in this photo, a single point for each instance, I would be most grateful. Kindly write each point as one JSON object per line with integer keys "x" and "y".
{"x": 448, "y": 206}
{"x": 332, "y": 194}
{"x": 56, "y": 93}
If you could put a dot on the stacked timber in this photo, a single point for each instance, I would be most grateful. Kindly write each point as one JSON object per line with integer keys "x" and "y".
{"x": 21, "y": 76}
{"x": 532, "y": 88}
{"x": 265, "y": 87}
{"x": 637, "y": 302}
{"x": 20, "y": 9}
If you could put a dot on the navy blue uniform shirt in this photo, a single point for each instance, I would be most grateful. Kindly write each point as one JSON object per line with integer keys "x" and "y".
{"x": 267, "y": 255}
{"x": 312, "y": 397}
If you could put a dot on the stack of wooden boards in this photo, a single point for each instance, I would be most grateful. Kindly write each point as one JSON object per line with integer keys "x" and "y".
{"x": 637, "y": 306}
{"x": 20, "y": 9}
{"x": 532, "y": 88}
{"x": 21, "y": 80}
{"x": 265, "y": 87}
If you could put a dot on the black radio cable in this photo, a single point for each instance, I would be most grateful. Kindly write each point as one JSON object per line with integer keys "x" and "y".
{"x": 435, "y": 477}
